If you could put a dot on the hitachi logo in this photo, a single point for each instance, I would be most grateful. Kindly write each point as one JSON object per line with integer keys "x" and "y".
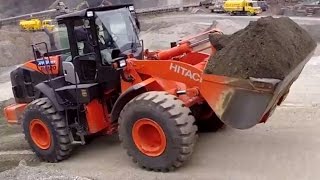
{"x": 185, "y": 72}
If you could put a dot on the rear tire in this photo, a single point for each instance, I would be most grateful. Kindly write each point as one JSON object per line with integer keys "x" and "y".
{"x": 173, "y": 123}
{"x": 45, "y": 130}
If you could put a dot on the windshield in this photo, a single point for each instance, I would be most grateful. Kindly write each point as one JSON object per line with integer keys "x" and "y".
{"x": 255, "y": 4}
{"x": 47, "y": 22}
{"x": 118, "y": 29}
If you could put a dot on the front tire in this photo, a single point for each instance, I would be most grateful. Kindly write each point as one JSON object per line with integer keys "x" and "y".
{"x": 249, "y": 14}
{"x": 45, "y": 130}
{"x": 158, "y": 131}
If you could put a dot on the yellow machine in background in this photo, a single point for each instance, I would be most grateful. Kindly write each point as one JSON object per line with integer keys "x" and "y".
{"x": 36, "y": 25}
{"x": 246, "y": 7}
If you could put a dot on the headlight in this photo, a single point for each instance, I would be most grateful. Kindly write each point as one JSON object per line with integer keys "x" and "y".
{"x": 89, "y": 13}
{"x": 122, "y": 63}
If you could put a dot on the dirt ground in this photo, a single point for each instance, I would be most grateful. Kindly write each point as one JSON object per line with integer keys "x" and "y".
{"x": 286, "y": 147}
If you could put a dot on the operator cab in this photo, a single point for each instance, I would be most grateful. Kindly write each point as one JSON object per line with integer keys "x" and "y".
{"x": 91, "y": 42}
{"x": 104, "y": 28}
{"x": 95, "y": 37}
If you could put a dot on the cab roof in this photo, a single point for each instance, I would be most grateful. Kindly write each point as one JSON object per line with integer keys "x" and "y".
{"x": 82, "y": 13}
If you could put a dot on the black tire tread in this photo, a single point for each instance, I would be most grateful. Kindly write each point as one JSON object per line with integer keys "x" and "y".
{"x": 60, "y": 131}
{"x": 179, "y": 113}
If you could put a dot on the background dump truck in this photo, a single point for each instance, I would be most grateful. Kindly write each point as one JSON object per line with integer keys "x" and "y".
{"x": 36, "y": 25}
{"x": 235, "y": 7}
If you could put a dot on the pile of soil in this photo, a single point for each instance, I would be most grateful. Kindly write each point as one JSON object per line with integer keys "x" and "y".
{"x": 267, "y": 48}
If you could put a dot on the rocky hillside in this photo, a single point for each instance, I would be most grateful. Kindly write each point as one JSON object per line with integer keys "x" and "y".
{"x": 10, "y": 8}
{"x": 15, "y": 46}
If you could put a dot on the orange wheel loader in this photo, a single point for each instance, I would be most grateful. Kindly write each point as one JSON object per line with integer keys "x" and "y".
{"x": 103, "y": 82}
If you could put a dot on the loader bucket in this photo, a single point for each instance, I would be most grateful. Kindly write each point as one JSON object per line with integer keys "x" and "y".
{"x": 243, "y": 103}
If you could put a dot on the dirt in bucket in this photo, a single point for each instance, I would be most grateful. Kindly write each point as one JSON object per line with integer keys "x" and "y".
{"x": 266, "y": 48}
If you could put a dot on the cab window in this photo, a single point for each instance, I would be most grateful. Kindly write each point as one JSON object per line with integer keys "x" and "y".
{"x": 83, "y": 37}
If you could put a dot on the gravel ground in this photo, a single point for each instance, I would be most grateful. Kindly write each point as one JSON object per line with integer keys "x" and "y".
{"x": 285, "y": 148}
{"x": 24, "y": 172}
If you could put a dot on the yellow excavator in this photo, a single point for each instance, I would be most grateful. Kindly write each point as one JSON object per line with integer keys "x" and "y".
{"x": 36, "y": 25}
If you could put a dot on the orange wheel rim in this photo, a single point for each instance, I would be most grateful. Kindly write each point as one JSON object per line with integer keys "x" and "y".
{"x": 40, "y": 134}
{"x": 149, "y": 137}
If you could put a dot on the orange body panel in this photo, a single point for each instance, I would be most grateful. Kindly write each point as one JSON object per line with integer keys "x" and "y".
{"x": 96, "y": 116}
{"x": 169, "y": 85}
{"x": 214, "y": 93}
{"x": 151, "y": 84}
{"x": 169, "y": 70}
{"x": 169, "y": 75}
{"x": 194, "y": 58}
{"x": 177, "y": 69}
{"x": 130, "y": 71}
{"x": 41, "y": 67}
{"x": 13, "y": 113}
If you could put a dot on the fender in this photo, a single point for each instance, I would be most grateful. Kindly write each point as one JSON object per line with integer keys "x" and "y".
{"x": 124, "y": 98}
{"x": 129, "y": 94}
{"x": 49, "y": 93}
